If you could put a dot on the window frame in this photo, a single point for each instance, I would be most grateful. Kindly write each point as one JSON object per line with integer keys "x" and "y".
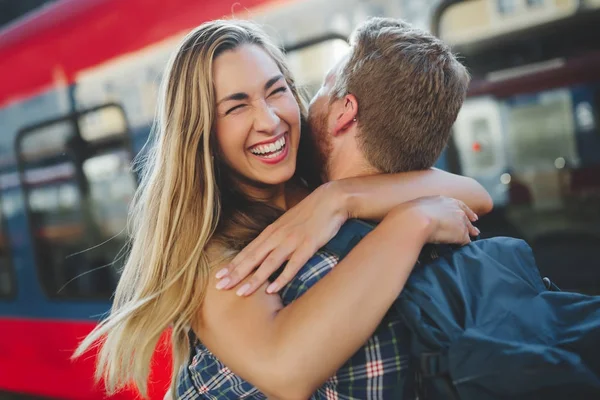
{"x": 96, "y": 147}
{"x": 503, "y": 11}
{"x": 313, "y": 41}
{"x": 530, "y": 5}
{"x": 306, "y": 43}
{"x": 12, "y": 275}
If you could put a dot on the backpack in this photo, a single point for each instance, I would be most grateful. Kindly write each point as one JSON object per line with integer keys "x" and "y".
{"x": 485, "y": 325}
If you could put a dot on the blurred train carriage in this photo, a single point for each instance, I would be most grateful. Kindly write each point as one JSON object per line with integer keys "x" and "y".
{"x": 530, "y": 128}
{"x": 77, "y": 99}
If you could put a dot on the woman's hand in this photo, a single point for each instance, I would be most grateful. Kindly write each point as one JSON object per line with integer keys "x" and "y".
{"x": 295, "y": 237}
{"x": 448, "y": 220}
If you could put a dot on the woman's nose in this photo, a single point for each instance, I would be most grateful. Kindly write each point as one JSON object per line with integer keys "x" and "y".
{"x": 266, "y": 119}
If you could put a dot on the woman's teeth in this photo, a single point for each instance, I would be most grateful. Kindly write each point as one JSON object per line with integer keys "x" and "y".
{"x": 270, "y": 150}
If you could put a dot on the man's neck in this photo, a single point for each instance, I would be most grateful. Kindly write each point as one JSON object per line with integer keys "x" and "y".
{"x": 349, "y": 168}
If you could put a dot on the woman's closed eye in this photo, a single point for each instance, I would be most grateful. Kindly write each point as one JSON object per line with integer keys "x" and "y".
{"x": 277, "y": 91}
{"x": 274, "y": 93}
{"x": 232, "y": 109}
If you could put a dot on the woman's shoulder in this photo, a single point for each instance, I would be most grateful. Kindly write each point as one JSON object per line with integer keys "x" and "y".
{"x": 216, "y": 257}
{"x": 317, "y": 267}
{"x": 218, "y": 306}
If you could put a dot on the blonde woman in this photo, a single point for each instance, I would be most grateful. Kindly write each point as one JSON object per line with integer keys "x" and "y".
{"x": 221, "y": 168}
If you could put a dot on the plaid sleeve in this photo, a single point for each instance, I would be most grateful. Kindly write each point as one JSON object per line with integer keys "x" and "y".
{"x": 207, "y": 378}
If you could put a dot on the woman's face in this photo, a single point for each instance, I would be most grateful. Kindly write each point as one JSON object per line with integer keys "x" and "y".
{"x": 258, "y": 118}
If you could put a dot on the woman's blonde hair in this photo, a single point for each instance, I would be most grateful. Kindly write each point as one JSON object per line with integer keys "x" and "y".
{"x": 185, "y": 200}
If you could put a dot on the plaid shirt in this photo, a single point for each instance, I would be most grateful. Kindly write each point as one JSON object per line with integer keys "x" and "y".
{"x": 378, "y": 370}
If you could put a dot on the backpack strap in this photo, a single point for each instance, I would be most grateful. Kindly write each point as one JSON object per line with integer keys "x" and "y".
{"x": 431, "y": 365}
{"x": 433, "y": 369}
{"x": 551, "y": 286}
{"x": 433, "y": 379}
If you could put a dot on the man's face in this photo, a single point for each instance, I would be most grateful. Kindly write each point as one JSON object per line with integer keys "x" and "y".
{"x": 319, "y": 114}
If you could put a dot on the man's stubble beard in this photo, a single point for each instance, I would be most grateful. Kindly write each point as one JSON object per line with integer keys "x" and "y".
{"x": 321, "y": 141}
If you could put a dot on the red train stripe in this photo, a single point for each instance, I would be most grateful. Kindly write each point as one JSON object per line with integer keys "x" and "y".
{"x": 50, "y": 48}
{"x": 35, "y": 359}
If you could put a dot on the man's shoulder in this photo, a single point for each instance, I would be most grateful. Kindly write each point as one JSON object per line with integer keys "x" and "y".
{"x": 321, "y": 263}
{"x": 348, "y": 236}
{"x": 315, "y": 269}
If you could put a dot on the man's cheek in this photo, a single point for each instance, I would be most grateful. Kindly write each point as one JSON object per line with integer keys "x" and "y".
{"x": 315, "y": 98}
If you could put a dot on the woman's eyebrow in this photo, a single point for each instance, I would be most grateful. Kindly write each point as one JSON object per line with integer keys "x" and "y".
{"x": 235, "y": 96}
{"x": 272, "y": 81}
{"x": 244, "y": 96}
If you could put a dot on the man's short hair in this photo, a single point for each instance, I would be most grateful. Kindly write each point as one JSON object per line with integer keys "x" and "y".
{"x": 409, "y": 88}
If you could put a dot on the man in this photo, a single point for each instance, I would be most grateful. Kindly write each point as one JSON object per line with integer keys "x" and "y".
{"x": 410, "y": 87}
{"x": 387, "y": 107}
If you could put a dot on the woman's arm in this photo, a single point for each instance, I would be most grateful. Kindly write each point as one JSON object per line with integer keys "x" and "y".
{"x": 308, "y": 226}
{"x": 289, "y": 352}
{"x": 371, "y": 197}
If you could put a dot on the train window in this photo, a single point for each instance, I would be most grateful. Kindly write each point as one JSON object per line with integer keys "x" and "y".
{"x": 506, "y": 7}
{"x": 310, "y": 62}
{"x": 541, "y": 132}
{"x": 77, "y": 181}
{"x": 102, "y": 123}
{"x": 535, "y": 3}
{"x": 584, "y": 115}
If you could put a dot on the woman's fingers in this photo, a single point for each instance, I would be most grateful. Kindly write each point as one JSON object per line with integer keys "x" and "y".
{"x": 470, "y": 213}
{"x": 473, "y": 230}
{"x": 248, "y": 251}
{"x": 234, "y": 273}
{"x": 248, "y": 259}
{"x": 271, "y": 264}
{"x": 297, "y": 261}
{"x": 468, "y": 230}
{"x": 471, "y": 217}
{"x": 451, "y": 217}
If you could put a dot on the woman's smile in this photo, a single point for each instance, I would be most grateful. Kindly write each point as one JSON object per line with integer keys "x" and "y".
{"x": 272, "y": 151}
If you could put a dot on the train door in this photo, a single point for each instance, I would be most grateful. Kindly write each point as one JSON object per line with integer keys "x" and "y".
{"x": 542, "y": 145}
{"x": 480, "y": 144}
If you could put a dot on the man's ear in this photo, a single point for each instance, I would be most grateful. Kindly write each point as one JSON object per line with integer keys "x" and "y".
{"x": 346, "y": 114}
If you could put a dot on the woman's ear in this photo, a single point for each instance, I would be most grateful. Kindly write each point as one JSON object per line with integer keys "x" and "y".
{"x": 346, "y": 114}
